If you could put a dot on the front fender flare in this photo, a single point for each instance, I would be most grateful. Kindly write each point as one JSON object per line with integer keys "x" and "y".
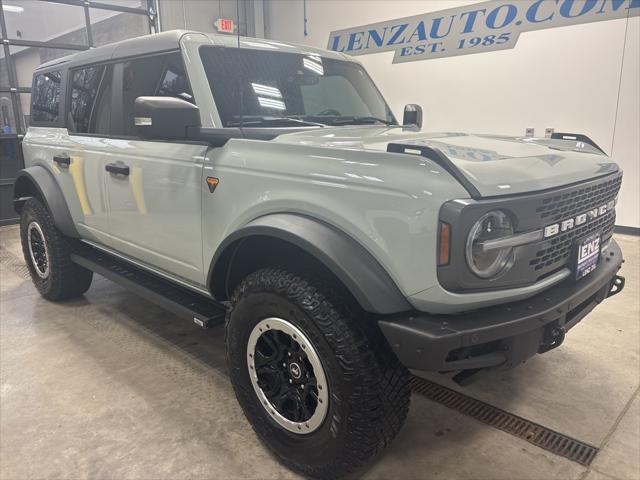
{"x": 349, "y": 261}
{"x": 37, "y": 181}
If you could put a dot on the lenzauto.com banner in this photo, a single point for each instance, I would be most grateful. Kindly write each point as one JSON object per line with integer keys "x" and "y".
{"x": 476, "y": 28}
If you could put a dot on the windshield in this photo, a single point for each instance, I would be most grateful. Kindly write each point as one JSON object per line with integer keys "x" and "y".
{"x": 275, "y": 89}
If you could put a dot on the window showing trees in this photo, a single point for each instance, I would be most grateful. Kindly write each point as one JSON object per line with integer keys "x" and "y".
{"x": 90, "y": 102}
{"x": 45, "y": 98}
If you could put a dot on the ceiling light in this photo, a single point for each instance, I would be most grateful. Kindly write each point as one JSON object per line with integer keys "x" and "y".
{"x": 271, "y": 103}
{"x": 313, "y": 66}
{"x": 12, "y": 8}
{"x": 266, "y": 90}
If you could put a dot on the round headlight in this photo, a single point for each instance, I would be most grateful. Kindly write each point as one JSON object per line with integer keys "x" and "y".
{"x": 489, "y": 262}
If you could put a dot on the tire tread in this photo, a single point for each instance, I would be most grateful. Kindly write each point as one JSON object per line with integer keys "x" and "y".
{"x": 66, "y": 279}
{"x": 379, "y": 399}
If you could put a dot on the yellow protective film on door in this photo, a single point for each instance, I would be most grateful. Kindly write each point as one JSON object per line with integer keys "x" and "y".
{"x": 138, "y": 190}
{"x": 77, "y": 174}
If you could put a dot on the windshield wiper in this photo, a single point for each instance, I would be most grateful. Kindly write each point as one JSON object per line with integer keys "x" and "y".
{"x": 353, "y": 120}
{"x": 253, "y": 121}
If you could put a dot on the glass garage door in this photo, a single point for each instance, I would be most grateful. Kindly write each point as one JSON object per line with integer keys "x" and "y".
{"x": 36, "y": 31}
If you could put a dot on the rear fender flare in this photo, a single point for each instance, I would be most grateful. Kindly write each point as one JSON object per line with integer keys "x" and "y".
{"x": 37, "y": 181}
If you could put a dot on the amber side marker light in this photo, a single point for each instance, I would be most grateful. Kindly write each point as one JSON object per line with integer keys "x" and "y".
{"x": 212, "y": 183}
{"x": 444, "y": 243}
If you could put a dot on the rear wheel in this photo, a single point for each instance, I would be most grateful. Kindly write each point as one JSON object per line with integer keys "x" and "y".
{"x": 47, "y": 254}
{"x": 318, "y": 383}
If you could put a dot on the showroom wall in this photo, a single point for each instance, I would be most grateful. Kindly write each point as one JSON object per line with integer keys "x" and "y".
{"x": 580, "y": 78}
{"x": 200, "y": 15}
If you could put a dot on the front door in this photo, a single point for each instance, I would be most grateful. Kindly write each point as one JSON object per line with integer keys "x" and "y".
{"x": 154, "y": 199}
{"x": 154, "y": 188}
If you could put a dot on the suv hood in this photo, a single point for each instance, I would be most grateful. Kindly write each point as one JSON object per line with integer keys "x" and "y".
{"x": 494, "y": 165}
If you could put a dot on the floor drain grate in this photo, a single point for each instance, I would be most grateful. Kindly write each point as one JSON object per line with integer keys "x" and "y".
{"x": 543, "y": 437}
{"x": 14, "y": 263}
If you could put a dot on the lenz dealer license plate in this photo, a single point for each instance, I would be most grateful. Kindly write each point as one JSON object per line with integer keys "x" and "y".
{"x": 588, "y": 255}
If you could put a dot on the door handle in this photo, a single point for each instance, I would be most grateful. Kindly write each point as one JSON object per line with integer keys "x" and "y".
{"x": 62, "y": 159}
{"x": 118, "y": 168}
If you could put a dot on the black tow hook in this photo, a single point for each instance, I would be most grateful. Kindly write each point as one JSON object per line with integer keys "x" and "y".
{"x": 552, "y": 339}
{"x": 617, "y": 285}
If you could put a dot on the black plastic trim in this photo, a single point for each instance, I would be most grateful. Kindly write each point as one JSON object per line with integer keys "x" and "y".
{"x": 578, "y": 137}
{"x": 625, "y": 230}
{"x": 49, "y": 192}
{"x": 441, "y": 159}
{"x": 423, "y": 341}
{"x": 349, "y": 261}
{"x": 457, "y": 277}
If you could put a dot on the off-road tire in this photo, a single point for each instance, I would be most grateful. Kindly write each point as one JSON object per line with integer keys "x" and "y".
{"x": 65, "y": 279}
{"x": 368, "y": 387}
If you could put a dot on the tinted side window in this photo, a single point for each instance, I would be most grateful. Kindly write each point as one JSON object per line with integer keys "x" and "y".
{"x": 161, "y": 75}
{"x": 45, "y": 97}
{"x": 90, "y": 102}
{"x": 174, "y": 84}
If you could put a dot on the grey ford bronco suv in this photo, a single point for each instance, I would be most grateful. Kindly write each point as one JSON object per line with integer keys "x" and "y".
{"x": 268, "y": 187}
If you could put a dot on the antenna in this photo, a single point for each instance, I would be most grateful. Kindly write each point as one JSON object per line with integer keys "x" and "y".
{"x": 240, "y": 86}
{"x": 238, "y": 20}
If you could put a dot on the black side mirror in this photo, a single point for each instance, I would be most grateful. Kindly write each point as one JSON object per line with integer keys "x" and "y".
{"x": 412, "y": 115}
{"x": 166, "y": 118}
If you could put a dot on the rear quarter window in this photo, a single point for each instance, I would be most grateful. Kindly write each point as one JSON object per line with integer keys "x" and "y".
{"x": 45, "y": 97}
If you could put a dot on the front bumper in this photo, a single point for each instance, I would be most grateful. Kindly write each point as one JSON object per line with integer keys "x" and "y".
{"x": 503, "y": 335}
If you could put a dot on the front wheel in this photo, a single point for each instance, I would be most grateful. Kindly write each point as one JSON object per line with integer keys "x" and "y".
{"x": 319, "y": 385}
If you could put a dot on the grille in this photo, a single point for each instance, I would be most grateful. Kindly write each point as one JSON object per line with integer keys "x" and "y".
{"x": 554, "y": 252}
{"x": 559, "y": 207}
{"x": 559, "y": 248}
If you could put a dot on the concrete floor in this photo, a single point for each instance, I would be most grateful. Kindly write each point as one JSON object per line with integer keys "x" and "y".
{"x": 111, "y": 386}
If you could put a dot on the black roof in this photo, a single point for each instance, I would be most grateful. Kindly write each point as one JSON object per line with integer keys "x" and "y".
{"x": 170, "y": 41}
{"x": 159, "y": 42}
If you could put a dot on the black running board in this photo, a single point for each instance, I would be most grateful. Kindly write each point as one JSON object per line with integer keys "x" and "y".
{"x": 202, "y": 311}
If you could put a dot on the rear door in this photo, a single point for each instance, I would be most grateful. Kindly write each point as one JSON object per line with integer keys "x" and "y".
{"x": 88, "y": 118}
{"x": 70, "y": 111}
{"x": 154, "y": 187}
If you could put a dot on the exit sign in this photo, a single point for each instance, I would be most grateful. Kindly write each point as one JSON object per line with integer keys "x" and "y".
{"x": 224, "y": 25}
